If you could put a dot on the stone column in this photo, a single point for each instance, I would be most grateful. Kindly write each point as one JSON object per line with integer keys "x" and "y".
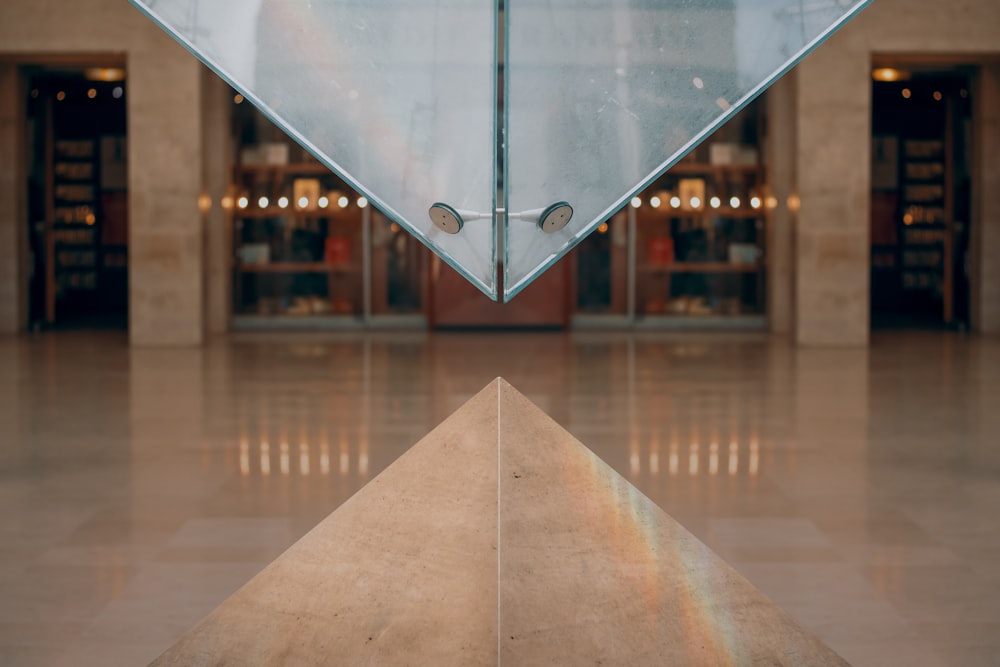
{"x": 165, "y": 181}
{"x": 832, "y": 246}
{"x": 217, "y": 164}
{"x": 781, "y": 178}
{"x": 13, "y": 214}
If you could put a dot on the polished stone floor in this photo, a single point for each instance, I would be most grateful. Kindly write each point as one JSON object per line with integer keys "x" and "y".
{"x": 860, "y": 489}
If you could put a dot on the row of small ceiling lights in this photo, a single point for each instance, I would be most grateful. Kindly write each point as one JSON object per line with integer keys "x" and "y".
{"x": 106, "y": 74}
{"x": 342, "y": 201}
{"x": 696, "y": 203}
{"x": 893, "y": 75}
{"x": 117, "y": 92}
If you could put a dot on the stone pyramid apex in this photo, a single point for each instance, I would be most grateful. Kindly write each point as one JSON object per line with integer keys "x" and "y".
{"x": 498, "y": 539}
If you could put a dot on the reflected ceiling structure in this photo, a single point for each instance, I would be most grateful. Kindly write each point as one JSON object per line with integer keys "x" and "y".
{"x": 500, "y": 133}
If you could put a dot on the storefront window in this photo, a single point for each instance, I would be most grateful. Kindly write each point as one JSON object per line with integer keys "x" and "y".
{"x": 701, "y": 228}
{"x": 297, "y": 229}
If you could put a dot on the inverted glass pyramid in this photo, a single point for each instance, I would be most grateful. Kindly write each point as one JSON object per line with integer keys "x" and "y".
{"x": 416, "y": 105}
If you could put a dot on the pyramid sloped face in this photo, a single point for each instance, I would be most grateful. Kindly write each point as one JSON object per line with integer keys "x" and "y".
{"x": 404, "y": 572}
{"x": 498, "y": 539}
{"x": 593, "y": 572}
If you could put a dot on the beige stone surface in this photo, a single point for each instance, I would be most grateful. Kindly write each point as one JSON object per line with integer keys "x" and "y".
{"x": 166, "y": 301}
{"x": 593, "y": 572}
{"x": 499, "y": 538}
{"x": 833, "y": 159}
{"x": 405, "y": 572}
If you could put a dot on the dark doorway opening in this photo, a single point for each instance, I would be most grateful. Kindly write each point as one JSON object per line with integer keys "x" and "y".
{"x": 921, "y": 198}
{"x": 77, "y": 196}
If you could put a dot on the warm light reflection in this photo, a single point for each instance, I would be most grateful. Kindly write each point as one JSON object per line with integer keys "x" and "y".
{"x": 324, "y": 459}
{"x": 244, "y": 458}
{"x": 693, "y": 452}
{"x": 265, "y": 459}
{"x": 675, "y": 459}
{"x": 734, "y": 458}
{"x": 713, "y": 459}
{"x": 654, "y": 457}
{"x": 284, "y": 458}
{"x": 754, "y": 464}
{"x": 633, "y": 456}
{"x": 304, "y": 458}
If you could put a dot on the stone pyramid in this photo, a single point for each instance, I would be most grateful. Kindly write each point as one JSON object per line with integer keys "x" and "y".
{"x": 498, "y": 539}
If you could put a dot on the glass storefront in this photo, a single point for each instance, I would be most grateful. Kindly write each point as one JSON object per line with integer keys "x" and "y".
{"x": 688, "y": 251}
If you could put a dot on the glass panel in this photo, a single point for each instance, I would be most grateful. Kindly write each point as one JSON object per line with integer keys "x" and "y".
{"x": 399, "y": 264}
{"x": 701, "y": 227}
{"x": 399, "y": 98}
{"x": 600, "y": 99}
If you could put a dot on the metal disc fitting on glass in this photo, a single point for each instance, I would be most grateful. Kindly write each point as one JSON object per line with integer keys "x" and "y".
{"x": 550, "y": 219}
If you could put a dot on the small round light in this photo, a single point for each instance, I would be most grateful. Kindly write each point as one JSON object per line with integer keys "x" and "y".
{"x": 117, "y": 92}
{"x": 907, "y": 93}
{"x": 238, "y": 99}
{"x": 92, "y": 93}
{"x": 227, "y": 202}
{"x": 343, "y": 201}
{"x": 282, "y": 202}
{"x": 602, "y": 228}
{"x": 734, "y": 202}
{"x": 322, "y": 202}
{"x": 675, "y": 202}
{"x": 715, "y": 202}
{"x": 771, "y": 202}
{"x": 204, "y": 203}
{"x": 636, "y": 202}
{"x": 61, "y": 95}
{"x": 263, "y": 202}
{"x": 655, "y": 202}
{"x": 938, "y": 96}
{"x": 794, "y": 203}
{"x": 303, "y": 202}
{"x": 362, "y": 202}
{"x": 242, "y": 202}
{"x": 755, "y": 202}
{"x": 395, "y": 228}
{"x": 698, "y": 83}
{"x": 695, "y": 202}
{"x": 889, "y": 74}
